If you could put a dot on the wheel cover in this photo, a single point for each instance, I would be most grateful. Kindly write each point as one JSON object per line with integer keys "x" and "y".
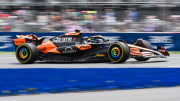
{"x": 23, "y": 53}
{"x": 115, "y": 52}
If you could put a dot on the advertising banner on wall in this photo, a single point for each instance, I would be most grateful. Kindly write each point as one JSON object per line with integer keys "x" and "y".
{"x": 171, "y": 41}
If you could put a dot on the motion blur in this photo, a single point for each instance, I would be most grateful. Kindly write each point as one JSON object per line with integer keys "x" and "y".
{"x": 89, "y": 15}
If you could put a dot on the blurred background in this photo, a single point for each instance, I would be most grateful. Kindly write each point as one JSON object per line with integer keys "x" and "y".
{"x": 90, "y": 15}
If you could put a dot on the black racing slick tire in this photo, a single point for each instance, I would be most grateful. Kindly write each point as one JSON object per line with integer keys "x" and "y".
{"x": 27, "y": 53}
{"x": 147, "y": 45}
{"x": 118, "y": 52}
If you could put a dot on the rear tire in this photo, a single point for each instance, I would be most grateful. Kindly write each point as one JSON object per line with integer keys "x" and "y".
{"x": 145, "y": 44}
{"x": 27, "y": 53}
{"x": 118, "y": 52}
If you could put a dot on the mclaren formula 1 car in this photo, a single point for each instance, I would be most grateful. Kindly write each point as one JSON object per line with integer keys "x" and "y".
{"x": 72, "y": 47}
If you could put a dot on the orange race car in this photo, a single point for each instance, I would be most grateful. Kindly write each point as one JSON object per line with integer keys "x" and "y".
{"x": 72, "y": 47}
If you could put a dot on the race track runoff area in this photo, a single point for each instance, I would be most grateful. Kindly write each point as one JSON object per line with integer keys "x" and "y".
{"x": 16, "y": 78}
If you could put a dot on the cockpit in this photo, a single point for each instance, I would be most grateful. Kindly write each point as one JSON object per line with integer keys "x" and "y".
{"x": 95, "y": 39}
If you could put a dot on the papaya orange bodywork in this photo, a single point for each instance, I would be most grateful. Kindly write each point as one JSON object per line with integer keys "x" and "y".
{"x": 47, "y": 47}
{"x": 19, "y": 41}
{"x": 135, "y": 51}
{"x": 84, "y": 47}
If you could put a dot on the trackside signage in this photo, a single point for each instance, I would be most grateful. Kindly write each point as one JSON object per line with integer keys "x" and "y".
{"x": 171, "y": 41}
{"x": 5, "y": 42}
{"x": 166, "y": 41}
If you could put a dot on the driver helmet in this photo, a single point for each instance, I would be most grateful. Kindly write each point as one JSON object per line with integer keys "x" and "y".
{"x": 77, "y": 30}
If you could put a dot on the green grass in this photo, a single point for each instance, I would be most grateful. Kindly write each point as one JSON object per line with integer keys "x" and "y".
{"x": 174, "y": 52}
{"x": 7, "y": 52}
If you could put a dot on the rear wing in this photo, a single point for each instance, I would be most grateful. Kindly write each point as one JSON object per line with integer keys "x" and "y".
{"x": 21, "y": 39}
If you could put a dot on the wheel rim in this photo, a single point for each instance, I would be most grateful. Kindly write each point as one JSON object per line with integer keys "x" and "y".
{"x": 115, "y": 52}
{"x": 23, "y": 53}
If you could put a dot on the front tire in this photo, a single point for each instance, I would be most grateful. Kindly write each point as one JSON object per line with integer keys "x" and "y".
{"x": 27, "y": 53}
{"x": 118, "y": 52}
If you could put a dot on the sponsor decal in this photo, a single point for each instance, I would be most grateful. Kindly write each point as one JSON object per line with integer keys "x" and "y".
{"x": 19, "y": 41}
{"x": 63, "y": 39}
{"x": 85, "y": 46}
{"x": 100, "y": 55}
{"x": 69, "y": 50}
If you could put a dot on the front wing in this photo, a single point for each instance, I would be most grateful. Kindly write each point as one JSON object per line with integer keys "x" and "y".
{"x": 137, "y": 51}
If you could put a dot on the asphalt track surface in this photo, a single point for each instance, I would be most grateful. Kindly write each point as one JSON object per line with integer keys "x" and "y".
{"x": 10, "y": 61}
{"x": 154, "y": 94}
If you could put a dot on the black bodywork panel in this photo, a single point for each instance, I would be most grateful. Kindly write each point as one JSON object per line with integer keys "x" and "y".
{"x": 70, "y": 53}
